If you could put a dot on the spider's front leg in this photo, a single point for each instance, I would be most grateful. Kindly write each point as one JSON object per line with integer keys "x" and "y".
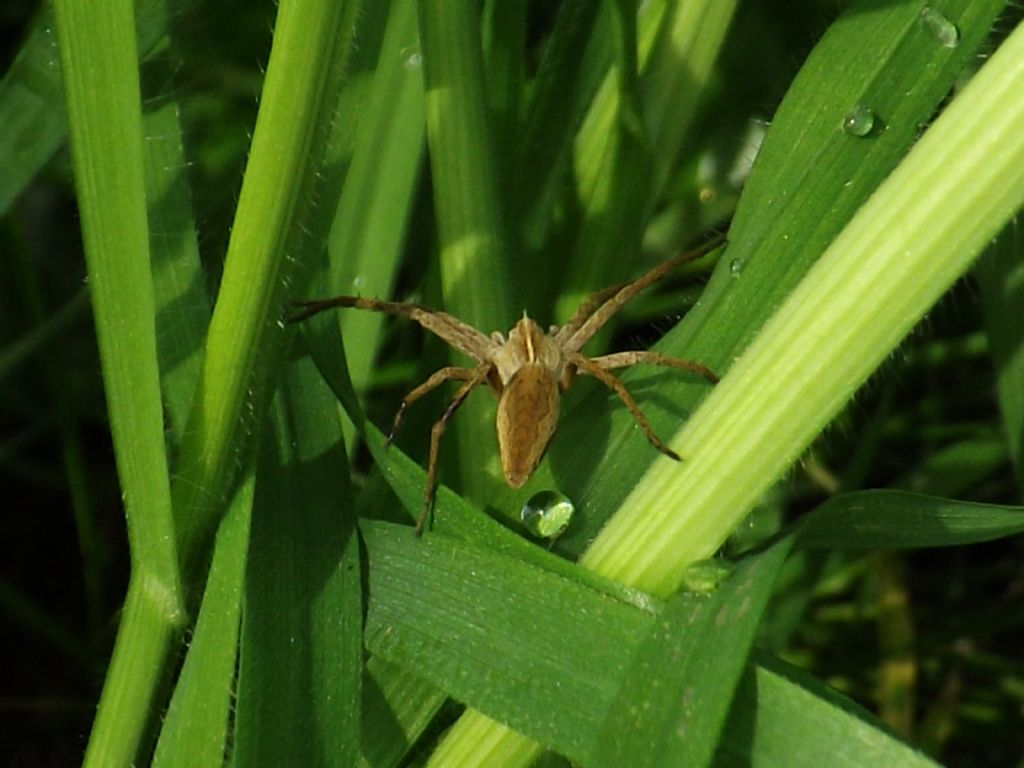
{"x": 626, "y": 359}
{"x": 478, "y": 376}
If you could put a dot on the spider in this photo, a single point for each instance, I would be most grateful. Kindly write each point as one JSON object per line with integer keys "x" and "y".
{"x": 527, "y": 371}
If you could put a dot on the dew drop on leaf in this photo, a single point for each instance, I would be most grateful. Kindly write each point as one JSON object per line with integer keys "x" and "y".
{"x": 939, "y": 27}
{"x": 859, "y": 121}
{"x": 547, "y": 514}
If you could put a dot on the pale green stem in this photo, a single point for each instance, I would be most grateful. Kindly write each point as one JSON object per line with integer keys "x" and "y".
{"x": 900, "y": 252}
{"x": 913, "y": 238}
{"x": 245, "y": 344}
{"x": 100, "y": 68}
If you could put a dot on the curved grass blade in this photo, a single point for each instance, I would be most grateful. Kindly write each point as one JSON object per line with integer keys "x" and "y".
{"x": 783, "y": 716}
{"x": 288, "y": 194}
{"x": 904, "y": 520}
{"x": 674, "y": 700}
{"x": 875, "y": 55}
{"x": 301, "y": 657}
{"x": 1000, "y": 275}
{"x": 99, "y": 65}
{"x": 195, "y": 728}
{"x": 476, "y": 278}
{"x": 495, "y": 628}
{"x": 855, "y": 305}
{"x": 454, "y": 641}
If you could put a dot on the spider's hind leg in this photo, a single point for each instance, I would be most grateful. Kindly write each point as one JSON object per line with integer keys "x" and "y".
{"x": 593, "y": 368}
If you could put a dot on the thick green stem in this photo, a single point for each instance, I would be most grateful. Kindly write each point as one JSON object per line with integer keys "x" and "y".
{"x": 99, "y": 63}
{"x": 274, "y": 224}
{"x": 903, "y": 249}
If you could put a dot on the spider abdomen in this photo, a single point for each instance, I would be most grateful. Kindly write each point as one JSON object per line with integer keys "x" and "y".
{"x": 527, "y": 417}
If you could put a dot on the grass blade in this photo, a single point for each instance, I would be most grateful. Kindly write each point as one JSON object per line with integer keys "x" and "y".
{"x": 98, "y": 59}
{"x": 195, "y": 728}
{"x": 674, "y": 700}
{"x": 452, "y": 639}
{"x": 863, "y": 295}
{"x": 783, "y": 716}
{"x": 1000, "y": 274}
{"x": 871, "y": 55}
{"x": 301, "y": 653}
{"x": 495, "y": 629}
{"x": 275, "y": 223}
{"x": 902, "y": 520}
{"x": 476, "y": 278}
{"x": 369, "y": 229}
{"x": 183, "y": 308}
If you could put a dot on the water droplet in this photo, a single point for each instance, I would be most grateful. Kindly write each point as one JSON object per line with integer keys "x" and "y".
{"x": 412, "y": 58}
{"x": 859, "y": 121}
{"x": 547, "y": 514}
{"x": 359, "y": 282}
{"x": 939, "y": 27}
{"x": 736, "y": 267}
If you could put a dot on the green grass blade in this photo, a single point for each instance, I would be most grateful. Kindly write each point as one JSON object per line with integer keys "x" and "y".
{"x": 1001, "y": 278}
{"x": 397, "y": 706}
{"x": 468, "y": 208}
{"x": 618, "y": 177}
{"x": 675, "y": 697}
{"x": 33, "y": 120}
{"x": 194, "y": 732}
{"x": 783, "y": 716}
{"x": 283, "y": 213}
{"x": 562, "y": 88}
{"x": 866, "y": 58}
{"x": 899, "y": 520}
{"x": 183, "y": 308}
{"x": 902, "y": 250}
{"x": 301, "y": 653}
{"x": 504, "y": 49}
{"x": 476, "y": 278}
{"x": 453, "y": 639}
{"x": 48, "y": 329}
{"x": 98, "y": 59}
{"x": 495, "y": 630}
{"x": 370, "y": 225}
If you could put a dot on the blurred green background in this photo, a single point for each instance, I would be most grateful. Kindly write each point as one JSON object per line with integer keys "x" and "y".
{"x": 929, "y": 640}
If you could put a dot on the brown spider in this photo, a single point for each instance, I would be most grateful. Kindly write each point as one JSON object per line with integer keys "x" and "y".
{"x": 527, "y": 371}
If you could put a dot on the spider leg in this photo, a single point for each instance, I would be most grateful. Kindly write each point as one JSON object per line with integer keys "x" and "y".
{"x": 436, "y": 379}
{"x": 613, "y": 303}
{"x": 592, "y": 368}
{"x": 624, "y": 359}
{"x": 458, "y": 334}
{"x": 479, "y": 376}
{"x": 585, "y": 310}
